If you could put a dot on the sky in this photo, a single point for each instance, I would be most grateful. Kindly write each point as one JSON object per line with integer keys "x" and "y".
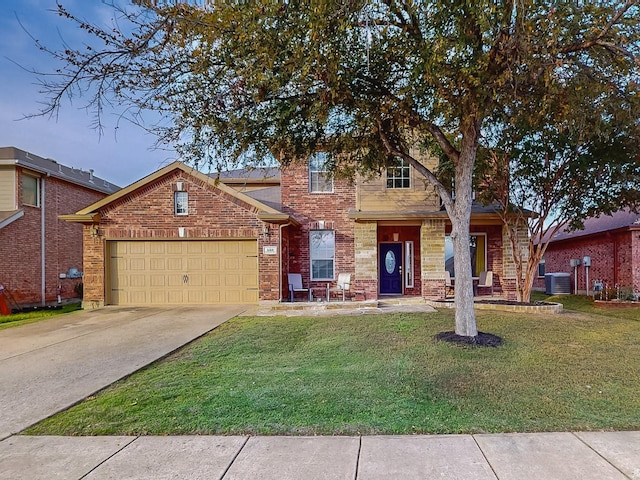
{"x": 120, "y": 155}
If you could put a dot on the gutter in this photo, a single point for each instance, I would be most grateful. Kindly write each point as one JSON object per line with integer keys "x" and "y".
{"x": 43, "y": 250}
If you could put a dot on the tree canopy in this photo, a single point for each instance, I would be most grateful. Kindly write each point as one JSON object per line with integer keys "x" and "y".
{"x": 365, "y": 81}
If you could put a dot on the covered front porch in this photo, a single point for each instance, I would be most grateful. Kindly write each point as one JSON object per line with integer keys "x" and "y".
{"x": 413, "y": 257}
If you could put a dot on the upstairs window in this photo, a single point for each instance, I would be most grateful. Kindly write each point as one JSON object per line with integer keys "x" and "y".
{"x": 30, "y": 190}
{"x": 319, "y": 179}
{"x": 322, "y": 249}
{"x": 399, "y": 174}
{"x": 181, "y": 203}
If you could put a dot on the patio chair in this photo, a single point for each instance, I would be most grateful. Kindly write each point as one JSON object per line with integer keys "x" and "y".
{"x": 295, "y": 286}
{"x": 343, "y": 285}
{"x": 448, "y": 284}
{"x": 485, "y": 281}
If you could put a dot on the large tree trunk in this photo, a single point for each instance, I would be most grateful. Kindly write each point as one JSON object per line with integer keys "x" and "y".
{"x": 460, "y": 216}
{"x": 465, "y": 313}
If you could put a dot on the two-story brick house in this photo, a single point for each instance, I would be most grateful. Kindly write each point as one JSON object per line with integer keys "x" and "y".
{"x": 41, "y": 256}
{"x": 179, "y": 236}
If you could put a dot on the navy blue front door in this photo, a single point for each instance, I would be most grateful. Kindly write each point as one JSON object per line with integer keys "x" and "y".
{"x": 391, "y": 268}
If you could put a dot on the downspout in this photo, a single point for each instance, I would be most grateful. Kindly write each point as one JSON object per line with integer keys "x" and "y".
{"x": 615, "y": 259}
{"x": 280, "y": 260}
{"x": 43, "y": 279}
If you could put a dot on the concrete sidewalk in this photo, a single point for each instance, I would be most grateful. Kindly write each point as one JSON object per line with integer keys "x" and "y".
{"x": 545, "y": 456}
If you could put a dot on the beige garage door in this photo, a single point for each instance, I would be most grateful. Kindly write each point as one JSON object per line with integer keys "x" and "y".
{"x": 183, "y": 272}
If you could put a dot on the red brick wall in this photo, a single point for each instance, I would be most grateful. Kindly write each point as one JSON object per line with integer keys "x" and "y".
{"x": 148, "y": 213}
{"x": 309, "y": 208}
{"x": 20, "y": 243}
{"x": 615, "y": 258}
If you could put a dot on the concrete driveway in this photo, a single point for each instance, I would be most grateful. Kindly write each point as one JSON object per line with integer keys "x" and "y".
{"x": 47, "y": 366}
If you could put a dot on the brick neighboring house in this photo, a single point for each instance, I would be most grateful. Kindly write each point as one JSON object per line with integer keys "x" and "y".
{"x": 179, "y": 236}
{"x": 35, "y": 246}
{"x": 611, "y": 241}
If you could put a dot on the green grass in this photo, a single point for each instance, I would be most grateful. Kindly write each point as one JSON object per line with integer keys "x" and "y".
{"x": 15, "y": 320}
{"x": 378, "y": 374}
{"x": 585, "y": 304}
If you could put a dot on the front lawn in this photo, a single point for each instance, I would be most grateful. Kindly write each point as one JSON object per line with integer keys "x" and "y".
{"x": 378, "y": 374}
{"x": 17, "y": 319}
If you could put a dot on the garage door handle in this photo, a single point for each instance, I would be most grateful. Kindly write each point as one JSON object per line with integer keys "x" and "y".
{"x": 185, "y": 278}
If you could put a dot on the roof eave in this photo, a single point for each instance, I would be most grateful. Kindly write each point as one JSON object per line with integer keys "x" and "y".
{"x": 76, "y": 218}
{"x": 278, "y": 218}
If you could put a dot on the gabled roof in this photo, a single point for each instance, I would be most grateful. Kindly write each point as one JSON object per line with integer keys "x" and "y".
{"x": 8, "y": 217}
{"x": 257, "y": 175}
{"x": 47, "y": 166}
{"x": 265, "y": 212}
{"x": 622, "y": 219}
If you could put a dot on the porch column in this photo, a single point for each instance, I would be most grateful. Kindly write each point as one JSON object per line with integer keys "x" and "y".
{"x": 365, "y": 236}
{"x": 508, "y": 280}
{"x": 93, "y": 266}
{"x": 432, "y": 233}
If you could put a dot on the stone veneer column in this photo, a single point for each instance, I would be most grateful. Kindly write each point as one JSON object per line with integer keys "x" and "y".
{"x": 508, "y": 280}
{"x": 432, "y": 233}
{"x": 365, "y": 235}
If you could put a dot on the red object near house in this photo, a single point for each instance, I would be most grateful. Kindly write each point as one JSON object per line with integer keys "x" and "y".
{"x": 4, "y": 308}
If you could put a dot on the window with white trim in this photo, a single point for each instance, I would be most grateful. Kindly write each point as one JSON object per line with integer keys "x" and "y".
{"x": 30, "y": 190}
{"x": 320, "y": 181}
{"x": 399, "y": 174}
{"x": 408, "y": 264}
{"x": 478, "y": 250}
{"x": 322, "y": 250}
{"x": 181, "y": 203}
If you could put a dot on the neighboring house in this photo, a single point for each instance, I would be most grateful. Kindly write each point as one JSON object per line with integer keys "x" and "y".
{"x": 612, "y": 243}
{"x": 37, "y": 249}
{"x": 180, "y": 236}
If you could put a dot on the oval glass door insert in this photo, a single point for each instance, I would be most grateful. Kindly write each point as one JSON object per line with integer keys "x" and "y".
{"x": 390, "y": 262}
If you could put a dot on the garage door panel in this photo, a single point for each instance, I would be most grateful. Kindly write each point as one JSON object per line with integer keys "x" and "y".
{"x": 249, "y": 281}
{"x": 193, "y": 248}
{"x": 232, "y": 280}
{"x": 175, "y": 297}
{"x": 211, "y": 264}
{"x": 136, "y": 248}
{"x": 156, "y": 248}
{"x": 173, "y": 248}
{"x": 138, "y": 264}
{"x": 232, "y": 263}
{"x": 137, "y": 281}
{"x": 195, "y": 264}
{"x": 174, "y": 263}
{"x": 231, "y": 248}
{"x": 158, "y": 297}
{"x": 174, "y": 280}
{"x": 157, "y": 263}
{"x": 137, "y": 297}
{"x": 212, "y": 297}
{"x": 183, "y": 272}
